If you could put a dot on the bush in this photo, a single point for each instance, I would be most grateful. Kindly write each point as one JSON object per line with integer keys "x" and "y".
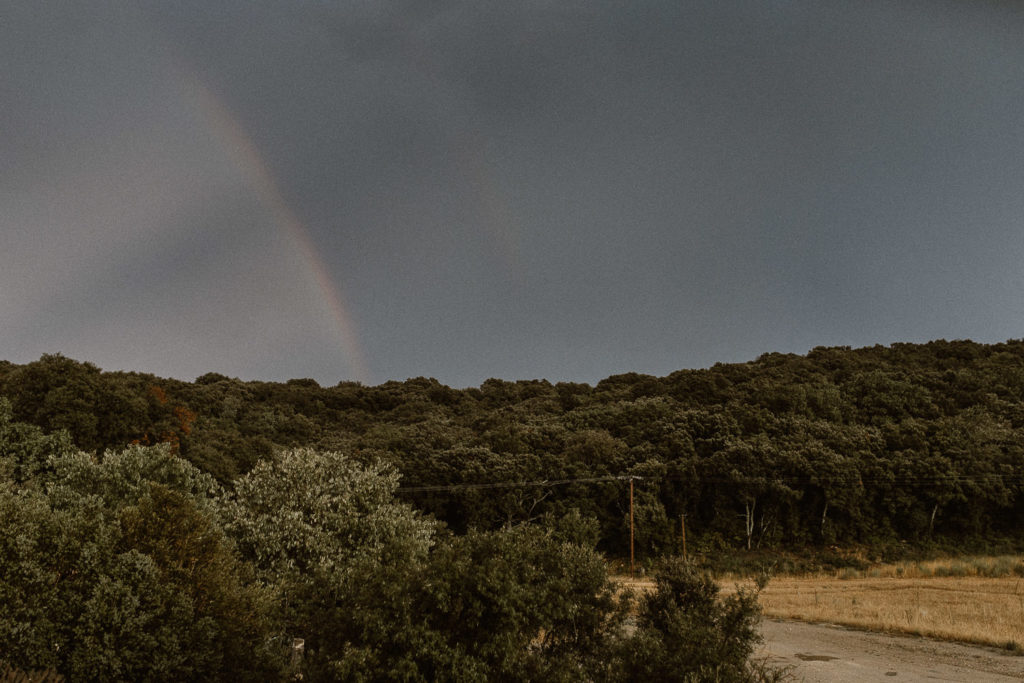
{"x": 119, "y": 571}
{"x": 686, "y": 632}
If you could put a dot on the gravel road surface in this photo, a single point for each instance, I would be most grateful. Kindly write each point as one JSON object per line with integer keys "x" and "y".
{"x": 836, "y": 654}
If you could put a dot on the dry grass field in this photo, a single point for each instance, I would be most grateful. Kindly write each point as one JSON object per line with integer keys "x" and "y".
{"x": 970, "y": 599}
{"x": 973, "y": 600}
{"x": 967, "y": 609}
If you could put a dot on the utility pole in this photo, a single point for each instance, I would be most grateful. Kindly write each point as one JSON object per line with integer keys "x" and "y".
{"x": 631, "y": 527}
{"x": 631, "y": 534}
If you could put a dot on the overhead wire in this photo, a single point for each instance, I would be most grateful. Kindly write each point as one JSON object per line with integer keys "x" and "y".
{"x": 804, "y": 480}
{"x": 511, "y": 484}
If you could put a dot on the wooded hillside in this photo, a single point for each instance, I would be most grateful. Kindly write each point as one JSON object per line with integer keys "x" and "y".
{"x": 921, "y": 443}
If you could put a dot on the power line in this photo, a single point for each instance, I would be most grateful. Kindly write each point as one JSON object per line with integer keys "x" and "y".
{"x": 512, "y": 484}
{"x": 797, "y": 480}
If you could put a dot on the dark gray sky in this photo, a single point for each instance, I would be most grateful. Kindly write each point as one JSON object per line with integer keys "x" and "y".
{"x": 379, "y": 190}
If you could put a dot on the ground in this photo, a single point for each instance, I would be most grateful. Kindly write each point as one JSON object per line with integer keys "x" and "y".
{"x": 836, "y": 654}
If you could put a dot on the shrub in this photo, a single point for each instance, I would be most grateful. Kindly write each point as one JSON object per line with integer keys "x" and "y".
{"x": 687, "y": 632}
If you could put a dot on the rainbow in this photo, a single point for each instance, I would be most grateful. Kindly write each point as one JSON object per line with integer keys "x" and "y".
{"x": 496, "y": 215}
{"x": 246, "y": 155}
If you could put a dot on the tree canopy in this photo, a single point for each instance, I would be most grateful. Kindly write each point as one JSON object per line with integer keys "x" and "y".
{"x": 915, "y": 443}
{"x": 135, "y": 565}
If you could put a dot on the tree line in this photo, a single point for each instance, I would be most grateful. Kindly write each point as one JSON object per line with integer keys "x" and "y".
{"x": 916, "y": 443}
{"x": 221, "y": 529}
{"x": 133, "y": 564}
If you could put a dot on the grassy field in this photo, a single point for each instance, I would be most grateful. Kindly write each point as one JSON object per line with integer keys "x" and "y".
{"x": 975, "y": 600}
{"x": 967, "y": 609}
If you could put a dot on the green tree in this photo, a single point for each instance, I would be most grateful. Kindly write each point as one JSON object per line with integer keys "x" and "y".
{"x": 305, "y": 510}
{"x": 324, "y": 533}
{"x": 379, "y": 593}
{"x": 687, "y": 632}
{"x": 25, "y": 449}
{"x": 119, "y": 571}
{"x": 523, "y": 604}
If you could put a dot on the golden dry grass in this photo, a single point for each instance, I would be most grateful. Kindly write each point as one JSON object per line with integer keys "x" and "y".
{"x": 974, "y": 600}
{"x": 987, "y": 566}
{"x": 968, "y": 609}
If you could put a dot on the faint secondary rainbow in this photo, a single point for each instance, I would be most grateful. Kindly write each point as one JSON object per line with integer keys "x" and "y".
{"x": 247, "y": 156}
{"x": 471, "y": 150}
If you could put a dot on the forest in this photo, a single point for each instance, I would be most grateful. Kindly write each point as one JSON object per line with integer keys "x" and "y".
{"x": 910, "y": 443}
{"x": 419, "y": 532}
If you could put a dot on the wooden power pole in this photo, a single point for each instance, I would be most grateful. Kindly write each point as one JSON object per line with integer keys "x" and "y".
{"x": 682, "y": 525}
{"x": 631, "y": 527}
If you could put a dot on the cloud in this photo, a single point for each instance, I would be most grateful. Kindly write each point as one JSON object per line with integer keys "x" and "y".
{"x": 543, "y": 189}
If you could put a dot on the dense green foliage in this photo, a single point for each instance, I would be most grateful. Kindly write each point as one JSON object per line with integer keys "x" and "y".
{"x": 686, "y": 632}
{"x": 135, "y": 565}
{"x": 158, "y": 529}
{"x": 118, "y": 569}
{"x": 916, "y": 443}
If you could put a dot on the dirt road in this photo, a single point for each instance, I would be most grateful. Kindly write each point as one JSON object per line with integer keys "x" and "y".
{"x": 822, "y": 652}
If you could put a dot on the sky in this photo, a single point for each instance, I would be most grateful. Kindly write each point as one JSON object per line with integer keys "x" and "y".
{"x": 373, "y": 190}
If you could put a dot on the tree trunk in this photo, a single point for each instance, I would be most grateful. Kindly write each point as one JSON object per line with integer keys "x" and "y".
{"x": 751, "y": 505}
{"x": 766, "y": 523}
